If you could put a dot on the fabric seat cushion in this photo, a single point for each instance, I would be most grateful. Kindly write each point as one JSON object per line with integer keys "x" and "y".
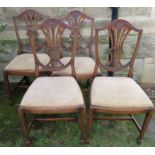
{"x": 25, "y": 62}
{"x": 83, "y": 66}
{"x": 118, "y": 92}
{"x": 53, "y": 92}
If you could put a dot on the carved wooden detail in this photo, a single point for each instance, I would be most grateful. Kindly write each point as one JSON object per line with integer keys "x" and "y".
{"x": 52, "y": 30}
{"x": 78, "y": 19}
{"x": 118, "y": 31}
{"x": 30, "y": 18}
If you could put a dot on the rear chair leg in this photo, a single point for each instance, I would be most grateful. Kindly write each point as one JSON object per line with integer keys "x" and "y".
{"x": 90, "y": 120}
{"x": 24, "y": 126}
{"x": 88, "y": 83}
{"x": 26, "y": 80}
{"x": 144, "y": 126}
{"x": 7, "y": 85}
{"x": 82, "y": 125}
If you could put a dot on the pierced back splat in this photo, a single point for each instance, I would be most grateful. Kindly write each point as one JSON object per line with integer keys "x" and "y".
{"x": 118, "y": 31}
{"x": 52, "y": 30}
{"x": 77, "y": 19}
{"x": 30, "y": 18}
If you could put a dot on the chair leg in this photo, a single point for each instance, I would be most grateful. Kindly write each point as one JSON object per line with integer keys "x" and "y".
{"x": 144, "y": 126}
{"x": 88, "y": 83}
{"x": 7, "y": 85}
{"x": 82, "y": 125}
{"x": 26, "y": 80}
{"x": 24, "y": 126}
{"x": 90, "y": 120}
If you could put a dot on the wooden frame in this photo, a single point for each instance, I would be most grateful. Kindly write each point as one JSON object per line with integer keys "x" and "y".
{"x": 77, "y": 19}
{"x": 31, "y": 18}
{"x": 26, "y": 126}
{"x": 118, "y": 31}
{"x": 53, "y": 30}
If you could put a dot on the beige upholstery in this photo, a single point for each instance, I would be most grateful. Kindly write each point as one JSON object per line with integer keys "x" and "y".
{"x": 118, "y": 92}
{"x": 83, "y": 65}
{"x": 53, "y": 92}
{"x": 25, "y": 62}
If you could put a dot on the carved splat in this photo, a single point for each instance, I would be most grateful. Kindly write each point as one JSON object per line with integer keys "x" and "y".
{"x": 52, "y": 30}
{"x": 118, "y": 31}
{"x": 30, "y": 18}
{"x": 77, "y": 19}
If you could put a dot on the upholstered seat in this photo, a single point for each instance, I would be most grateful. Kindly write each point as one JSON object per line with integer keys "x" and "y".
{"x": 83, "y": 66}
{"x": 53, "y": 92}
{"x": 118, "y": 92}
{"x": 25, "y": 62}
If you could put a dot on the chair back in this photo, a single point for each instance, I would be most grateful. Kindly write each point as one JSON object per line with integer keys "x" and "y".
{"x": 118, "y": 30}
{"x": 23, "y": 21}
{"x": 85, "y": 25}
{"x": 53, "y": 33}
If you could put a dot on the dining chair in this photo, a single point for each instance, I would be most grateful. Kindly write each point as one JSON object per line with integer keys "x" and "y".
{"x": 84, "y": 61}
{"x": 49, "y": 95}
{"x": 23, "y": 64}
{"x": 118, "y": 95}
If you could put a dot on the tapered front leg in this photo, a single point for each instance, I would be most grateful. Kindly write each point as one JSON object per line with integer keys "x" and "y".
{"x": 90, "y": 120}
{"x": 144, "y": 126}
{"x": 24, "y": 126}
{"x": 82, "y": 125}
